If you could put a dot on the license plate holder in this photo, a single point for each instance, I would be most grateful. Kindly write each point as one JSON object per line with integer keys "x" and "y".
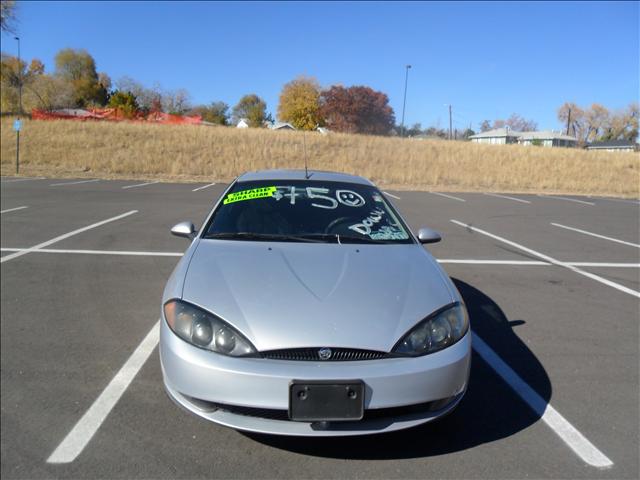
{"x": 326, "y": 400}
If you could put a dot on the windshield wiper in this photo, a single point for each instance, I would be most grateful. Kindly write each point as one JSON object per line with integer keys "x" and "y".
{"x": 262, "y": 237}
{"x": 337, "y": 238}
{"x": 354, "y": 239}
{"x": 303, "y": 237}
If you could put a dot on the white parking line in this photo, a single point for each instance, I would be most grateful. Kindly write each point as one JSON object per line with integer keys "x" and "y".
{"x": 568, "y": 199}
{"x": 202, "y": 188}
{"x": 12, "y": 209}
{"x": 98, "y": 252}
{"x": 633, "y": 202}
{"x": 13, "y": 180}
{"x": 533, "y": 263}
{"x": 464, "y": 261}
{"x": 84, "y": 430}
{"x": 74, "y": 183}
{"x": 549, "y": 259}
{"x": 392, "y": 195}
{"x": 448, "y": 196}
{"x": 11, "y": 256}
{"x": 457, "y": 261}
{"x": 88, "y": 425}
{"x": 507, "y": 197}
{"x": 140, "y": 185}
{"x": 549, "y": 415}
{"x": 596, "y": 235}
{"x": 604, "y": 265}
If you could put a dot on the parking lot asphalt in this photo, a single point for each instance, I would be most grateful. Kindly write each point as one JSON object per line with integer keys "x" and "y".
{"x": 551, "y": 282}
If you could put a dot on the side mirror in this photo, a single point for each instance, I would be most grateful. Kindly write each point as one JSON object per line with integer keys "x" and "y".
{"x": 426, "y": 235}
{"x": 184, "y": 229}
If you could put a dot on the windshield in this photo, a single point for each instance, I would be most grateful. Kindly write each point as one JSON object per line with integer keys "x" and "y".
{"x": 301, "y": 210}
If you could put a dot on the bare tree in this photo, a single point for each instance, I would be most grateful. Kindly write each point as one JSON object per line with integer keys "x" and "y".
{"x": 520, "y": 124}
{"x": 149, "y": 99}
{"x": 485, "y": 126}
{"x": 8, "y": 17}
{"x": 572, "y": 117}
{"x": 176, "y": 101}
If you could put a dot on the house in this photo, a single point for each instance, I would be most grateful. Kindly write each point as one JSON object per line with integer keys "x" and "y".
{"x": 547, "y": 139}
{"x": 281, "y": 126}
{"x": 323, "y": 130}
{"x": 243, "y": 123}
{"x": 613, "y": 146}
{"x": 502, "y": 136}
{"x": 497, "y": 136}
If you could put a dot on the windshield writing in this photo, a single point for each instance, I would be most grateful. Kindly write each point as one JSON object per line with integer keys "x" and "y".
{"x": 298, "y": 210}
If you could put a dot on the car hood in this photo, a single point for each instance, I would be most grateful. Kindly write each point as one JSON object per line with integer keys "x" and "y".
{"x": 293, "y": 295}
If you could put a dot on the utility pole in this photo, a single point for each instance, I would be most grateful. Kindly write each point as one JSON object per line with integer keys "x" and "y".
{"x": 568, "y": 120}
{"x": 450, "y": 125}
{"x": 404, "y": 102}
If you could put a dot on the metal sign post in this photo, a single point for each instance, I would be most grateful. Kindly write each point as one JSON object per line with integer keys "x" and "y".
{"x": 17, "y": 125}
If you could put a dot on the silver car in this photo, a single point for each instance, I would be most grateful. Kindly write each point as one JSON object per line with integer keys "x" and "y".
{"x": 305, "y": 306}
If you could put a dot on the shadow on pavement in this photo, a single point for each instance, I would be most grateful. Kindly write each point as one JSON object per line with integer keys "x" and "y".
{"x": 489, "y": 411}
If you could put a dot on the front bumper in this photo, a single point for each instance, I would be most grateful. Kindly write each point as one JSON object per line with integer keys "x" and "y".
{"x": 195, "y": 378}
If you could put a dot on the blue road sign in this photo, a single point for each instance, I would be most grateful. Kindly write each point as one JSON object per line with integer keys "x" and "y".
{"x": 17, "y": 125}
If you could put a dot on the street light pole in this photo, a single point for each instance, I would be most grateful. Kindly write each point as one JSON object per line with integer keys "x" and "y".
{"x": 404, "y": 102}
{"x": 19, "y": 75}
{"x": 20, "y": 112}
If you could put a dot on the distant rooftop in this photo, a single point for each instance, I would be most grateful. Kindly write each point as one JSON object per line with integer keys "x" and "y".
{"x": 545, "y": 135}
{"x": 613, "y": 144}
{"x": 497, "y": 132}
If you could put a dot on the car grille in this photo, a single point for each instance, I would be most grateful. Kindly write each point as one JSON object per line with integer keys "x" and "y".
{"x": 312, "y": 354}
{"x": 369, "y": 414}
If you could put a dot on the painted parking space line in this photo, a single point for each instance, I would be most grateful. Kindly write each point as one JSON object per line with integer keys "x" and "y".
{"x": 632, "y": 202}
{"x": 13, "y": 180}
{"x": 507, "y": 197}
{"x": 98, "y": 252}
{"x": 203, "y": 187}
{"x": 595, "y": 235}
{"x": 13, "y": 209}
{"x": 88, "y": 425}
{"x": 567, "y": 199}
{"x": 11, "y": 256}
{"x": 455, "y": 261}
{"x": 465, "y": 261}
{"x": 604, "y": 265}
{"x": 140, "y": 185}
{"x": 84, "y": 430}
{"x": 577, "y": 442}
{"x": 448, "y": 196}
{"x": 549, "y": 259}
{"x": 74, "y": 183}
{"x": 392, "y": 195}
{"x": 534, "y": 263}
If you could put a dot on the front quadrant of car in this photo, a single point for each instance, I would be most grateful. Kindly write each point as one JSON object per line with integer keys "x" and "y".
{"x": 305, "y": 306}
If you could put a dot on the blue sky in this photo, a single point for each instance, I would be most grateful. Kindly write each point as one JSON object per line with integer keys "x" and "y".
{"x": 486, "y": 59}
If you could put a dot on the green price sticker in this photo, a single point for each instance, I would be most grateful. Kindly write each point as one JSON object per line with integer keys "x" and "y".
{"x": 262, "y": 192}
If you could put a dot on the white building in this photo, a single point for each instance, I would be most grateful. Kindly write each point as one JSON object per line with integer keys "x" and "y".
{"x": 497, "y": 136}
{"x": 281, "y": 126}
{"x": 613, "y": 146}
{"x": 502, "y": 136}
{"x": 243, "y": 123}
{"x": 547, "y": 139}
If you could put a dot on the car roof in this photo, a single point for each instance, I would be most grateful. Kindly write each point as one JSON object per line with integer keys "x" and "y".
{"x": 313, "y": 175}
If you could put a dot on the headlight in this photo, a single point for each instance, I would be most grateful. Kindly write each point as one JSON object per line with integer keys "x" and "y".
{"x": 205, "y": 330}
{"x": 441, "y": 329}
